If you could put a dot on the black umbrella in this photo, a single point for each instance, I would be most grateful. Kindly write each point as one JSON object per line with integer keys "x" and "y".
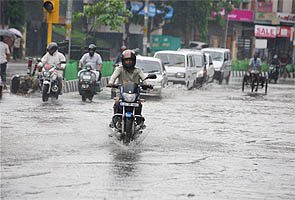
{"x": 6, "y": 33}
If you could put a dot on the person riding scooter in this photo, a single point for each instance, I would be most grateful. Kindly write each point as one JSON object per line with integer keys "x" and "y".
{"x": 127, "y": 73}
{"x": 274, "y": 69}
{"x": 54, "y": 57}
{"x": 92, "y": 58}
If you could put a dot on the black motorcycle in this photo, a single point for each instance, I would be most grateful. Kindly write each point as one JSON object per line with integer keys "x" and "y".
{"x": 128, "y": 124}
{"x": 88, "y": 85}
{"x": 273, "y": 73}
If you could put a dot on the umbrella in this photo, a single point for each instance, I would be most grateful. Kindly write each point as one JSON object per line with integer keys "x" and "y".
{"x": 16, "y": 32}
{"x": 6, "y": 33}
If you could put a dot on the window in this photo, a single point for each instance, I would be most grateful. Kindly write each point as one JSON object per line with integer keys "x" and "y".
{"x": 198, "y": 61}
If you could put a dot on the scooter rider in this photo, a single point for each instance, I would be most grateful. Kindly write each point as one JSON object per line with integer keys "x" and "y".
{"x": 54, "y": 57}
{"x": 92, "y": 58}
{"x": 275, "y": 61}
{"x": 127, "y": 73}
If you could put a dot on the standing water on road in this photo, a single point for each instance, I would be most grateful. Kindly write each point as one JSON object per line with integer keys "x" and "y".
{"x": 213, "y": 143}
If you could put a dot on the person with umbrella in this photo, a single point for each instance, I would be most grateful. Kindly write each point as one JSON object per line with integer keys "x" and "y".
{"x": 4, "y": 58}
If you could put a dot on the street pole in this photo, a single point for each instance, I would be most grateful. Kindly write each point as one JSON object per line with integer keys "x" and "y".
{"x": 69, "y": 27}
{"x": 124, "y": 31}
{"x": 145, "y": 28}
{"x": 49, "y": 33}
{"x": 226, "y": 30}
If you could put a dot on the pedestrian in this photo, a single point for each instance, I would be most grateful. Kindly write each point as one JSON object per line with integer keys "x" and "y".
{"x": 16, "y": 49}
{"x": 4, "y": 58}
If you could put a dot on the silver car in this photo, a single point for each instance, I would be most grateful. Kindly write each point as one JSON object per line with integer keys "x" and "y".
{"x": 151, "y": 65}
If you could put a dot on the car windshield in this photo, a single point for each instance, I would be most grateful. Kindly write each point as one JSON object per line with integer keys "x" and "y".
{"x": 148, "y": 66}
{"x": 172, "y": 60}
{"x": 216, "y": 56}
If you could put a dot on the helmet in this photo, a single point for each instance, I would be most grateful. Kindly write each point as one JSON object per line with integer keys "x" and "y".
{"x": 128, "y": 55}
{"x": 92, "y": 47}
{"x": 51, "y": 48}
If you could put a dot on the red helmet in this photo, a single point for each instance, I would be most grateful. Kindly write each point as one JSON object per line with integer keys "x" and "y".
{"x": 128, "y": 55}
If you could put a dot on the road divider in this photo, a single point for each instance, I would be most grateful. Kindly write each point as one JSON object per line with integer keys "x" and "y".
{"x": 72, "y": 85}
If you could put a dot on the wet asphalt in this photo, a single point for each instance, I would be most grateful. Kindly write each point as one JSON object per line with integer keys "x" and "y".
{"x": 211, "y": 143}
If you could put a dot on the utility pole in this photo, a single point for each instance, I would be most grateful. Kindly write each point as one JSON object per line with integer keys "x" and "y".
{"x": 69, "y": 27}
{"x": 124, "y": 31}
{"x": 145, "y": 28}
{"x": 226, "y": 29}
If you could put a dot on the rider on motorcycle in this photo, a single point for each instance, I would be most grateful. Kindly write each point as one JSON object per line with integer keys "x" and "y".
{"x": 127, "y": 73}
{"x": 255, "y": 65}
{"x": 54, "y": 57}
{"x": 92, "y": 58}
{"x": 275, "y": 61}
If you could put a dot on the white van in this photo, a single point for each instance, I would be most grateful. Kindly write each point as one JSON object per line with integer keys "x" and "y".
{"x": 183, "y": 66}
{"x": 222, "y": 62}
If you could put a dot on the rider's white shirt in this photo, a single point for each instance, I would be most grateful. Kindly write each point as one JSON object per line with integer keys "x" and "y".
{"x": 54, "y": 59}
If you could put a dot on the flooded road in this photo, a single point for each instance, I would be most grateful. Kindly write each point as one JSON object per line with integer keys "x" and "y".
{"x": 213, "y": 143}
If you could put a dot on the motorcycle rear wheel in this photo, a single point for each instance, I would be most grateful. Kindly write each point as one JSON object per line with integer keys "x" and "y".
{"x": 83, "y": 98}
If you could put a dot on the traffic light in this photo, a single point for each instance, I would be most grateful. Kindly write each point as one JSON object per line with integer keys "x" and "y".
{"x": 51, "y": 7}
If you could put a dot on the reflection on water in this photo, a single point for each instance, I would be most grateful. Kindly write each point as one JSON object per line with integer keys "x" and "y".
{"x": 125, "y": 162}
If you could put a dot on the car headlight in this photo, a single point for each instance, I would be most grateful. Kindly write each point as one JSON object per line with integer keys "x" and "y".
{"x": 180, "y": 75}
{"x": 129, "y": 97}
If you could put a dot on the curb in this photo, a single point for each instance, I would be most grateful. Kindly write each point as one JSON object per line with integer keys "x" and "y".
{"x": 72, "y": 85}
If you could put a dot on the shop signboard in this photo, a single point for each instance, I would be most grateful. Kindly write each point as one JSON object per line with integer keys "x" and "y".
{"x": 265, "y": 7}
{"x": 287, "y": 18}
{"x": 260, "y": 43}
{"x": 284, "y": 32}
{"x": 236, "y": 15}
{"x": 241, "y": 15}
{"x": 265, "y": 31}
{"x": 266, "y": 18}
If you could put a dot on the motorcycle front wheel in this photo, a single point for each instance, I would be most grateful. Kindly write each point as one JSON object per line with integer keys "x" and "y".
{"x": 44, "y": 92}
{"x": 128, "y": 129}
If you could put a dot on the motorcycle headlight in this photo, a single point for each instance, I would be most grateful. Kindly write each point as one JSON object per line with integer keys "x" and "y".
{"x": 46, "y": 74}
{"x": 180, "y": 75}
{"x": 129, "y": 97}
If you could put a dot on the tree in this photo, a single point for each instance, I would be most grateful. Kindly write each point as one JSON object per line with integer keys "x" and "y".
{"x": 195, "y": 15}
{"x": 14, "y": 14}
{"x": 106, "y": 12}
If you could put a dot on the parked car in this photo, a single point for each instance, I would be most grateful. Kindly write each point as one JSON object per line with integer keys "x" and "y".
{"x": 151, "y": 65}
{"x": 210, "y": 68}
{"x": 197, "y": 45}
{"x": 222, "y": 62}
{"x": 184, "y": 66}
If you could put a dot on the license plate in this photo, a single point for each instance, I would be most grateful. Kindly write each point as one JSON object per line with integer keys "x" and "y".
{"x": 84, "y": 86}
{"x": 87, "y": 77}
{"x": 129, "y": 104}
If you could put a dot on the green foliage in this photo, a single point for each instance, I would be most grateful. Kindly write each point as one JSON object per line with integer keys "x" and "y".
{"x": 14, "y": 11}
{"x": 242, "y": 65}
{"x": 107, "y": 12}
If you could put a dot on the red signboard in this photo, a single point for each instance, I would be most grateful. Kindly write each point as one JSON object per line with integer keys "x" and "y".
{"x": 284, "y": 32}
{"x": 265, "y": 31}
{"x": 241, "y": 15}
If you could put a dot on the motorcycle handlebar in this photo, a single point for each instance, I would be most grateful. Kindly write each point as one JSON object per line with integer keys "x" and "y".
{"x": 144, "y": 87}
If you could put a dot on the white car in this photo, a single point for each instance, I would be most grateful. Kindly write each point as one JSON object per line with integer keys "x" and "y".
{"x": 222, "y": 63}
{"x": 209, "y": 68}
{"x": 183, "y": 66}
{"x": 151, "y": 65}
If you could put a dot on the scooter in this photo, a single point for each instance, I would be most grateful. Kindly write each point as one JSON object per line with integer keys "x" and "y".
{"x": 273, "y": 73}
{"x": 50, "y": 83}
{"x": 127, "y": 124}
{"x": 88, "y": 85}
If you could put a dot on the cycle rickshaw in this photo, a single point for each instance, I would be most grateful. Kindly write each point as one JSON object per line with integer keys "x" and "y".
{"x": 254, "y": 80}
